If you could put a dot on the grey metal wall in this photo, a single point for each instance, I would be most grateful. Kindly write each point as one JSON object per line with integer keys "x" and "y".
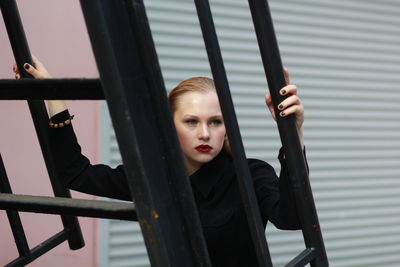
{"x": 345, "y": 58}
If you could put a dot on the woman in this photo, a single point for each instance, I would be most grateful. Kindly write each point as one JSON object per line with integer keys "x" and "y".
{"x": 200, "y": 127}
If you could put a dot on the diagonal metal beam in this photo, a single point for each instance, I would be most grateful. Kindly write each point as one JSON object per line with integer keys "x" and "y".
{"x": 40, "y": 249}
{"x": 303, "y": 258}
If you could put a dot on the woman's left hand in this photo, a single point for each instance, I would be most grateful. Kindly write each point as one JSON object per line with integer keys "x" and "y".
{"x": 291, "y": 105}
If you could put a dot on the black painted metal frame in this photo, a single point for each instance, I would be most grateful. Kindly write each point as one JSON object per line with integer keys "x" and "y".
{"x": 297, "y": 167}
{"x": 69, "y": 206}
{"x": 47, "y": 89}
{"x": 133, "y": 86}
{"x": 26, "y": 255}
{"x": 13, "y": 216}
{"x": 52, "y": 205}
{"x": 40, "y": 118}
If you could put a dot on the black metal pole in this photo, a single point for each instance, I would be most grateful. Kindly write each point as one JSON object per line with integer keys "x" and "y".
{"x": 173, "y": 154}
{"x": 13, "y": 216}
{"x": 142, "y": 145}
{"x": 241, "y": 166}
{"x": 69, "y": 206}
{"x": 298, "y": 171}
{"x": 40, "y": 118}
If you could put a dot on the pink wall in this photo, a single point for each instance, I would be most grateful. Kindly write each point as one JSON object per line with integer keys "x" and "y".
{"x": 57, "y": 35}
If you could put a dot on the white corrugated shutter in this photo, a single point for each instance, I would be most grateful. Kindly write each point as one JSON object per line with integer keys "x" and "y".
{"x": 345, "y": 58}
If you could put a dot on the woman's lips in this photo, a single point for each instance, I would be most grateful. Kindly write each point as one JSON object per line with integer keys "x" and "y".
{"x": 203, "y": 148}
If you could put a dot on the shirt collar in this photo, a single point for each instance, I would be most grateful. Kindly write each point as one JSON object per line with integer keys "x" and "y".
{"x": 205, "y": 178}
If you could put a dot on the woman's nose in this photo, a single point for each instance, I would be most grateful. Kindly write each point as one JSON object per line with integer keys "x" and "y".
{"x": 204, "y": 132}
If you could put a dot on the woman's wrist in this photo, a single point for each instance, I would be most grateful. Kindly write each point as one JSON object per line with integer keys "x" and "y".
{"x": 55, "y": 107}
{"x": 301, "y": 137}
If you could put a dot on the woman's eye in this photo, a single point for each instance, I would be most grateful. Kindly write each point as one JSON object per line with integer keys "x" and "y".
{"x": 191, "y": 121}
{"x": 216, "y": 122}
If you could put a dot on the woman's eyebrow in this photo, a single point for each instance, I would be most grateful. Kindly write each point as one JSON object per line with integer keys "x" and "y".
{"x": 190, "y": 115}
{"x": 217, "y": 117}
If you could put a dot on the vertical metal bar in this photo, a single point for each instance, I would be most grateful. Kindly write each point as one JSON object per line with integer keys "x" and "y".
{"x": 142, "y": 146}
{"x": 13, "y": 216}
{"x": 173, "y": 154}
{"x": 38, "y": 111}
{"x": 288, "y": 132}
{"x": 241, "y": 166}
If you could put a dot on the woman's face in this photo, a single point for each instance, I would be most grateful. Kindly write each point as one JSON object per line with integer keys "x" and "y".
{"x": 200, "y": 127}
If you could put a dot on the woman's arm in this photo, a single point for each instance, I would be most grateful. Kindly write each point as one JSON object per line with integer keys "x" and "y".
{"x": 275, "y": 197}
{"x": 74, "y": 169}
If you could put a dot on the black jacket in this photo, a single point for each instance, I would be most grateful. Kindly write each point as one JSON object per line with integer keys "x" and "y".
{"x": 215, "y": 189}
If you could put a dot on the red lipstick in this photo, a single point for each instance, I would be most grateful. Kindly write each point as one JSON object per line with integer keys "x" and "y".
{"x": 203, "y": 148}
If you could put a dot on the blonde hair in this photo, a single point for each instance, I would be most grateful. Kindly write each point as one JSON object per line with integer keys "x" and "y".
{"x": 194, "y": 84}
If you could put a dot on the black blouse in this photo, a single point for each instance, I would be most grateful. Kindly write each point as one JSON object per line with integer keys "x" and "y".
{"x": 215, "y": 189}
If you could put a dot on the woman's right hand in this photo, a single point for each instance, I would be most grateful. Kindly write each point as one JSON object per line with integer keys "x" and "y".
{"x": 38, "y": 70}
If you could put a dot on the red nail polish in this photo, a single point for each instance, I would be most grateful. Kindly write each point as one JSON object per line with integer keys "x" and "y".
{"x": 26, "y": 66}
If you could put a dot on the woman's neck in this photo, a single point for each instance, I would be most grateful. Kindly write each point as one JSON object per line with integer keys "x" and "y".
{"x": 192, "y": 167}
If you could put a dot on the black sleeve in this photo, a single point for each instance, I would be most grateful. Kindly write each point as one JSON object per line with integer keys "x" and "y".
{"x": 76, "y": 171}
{"x": 274, "y": 195}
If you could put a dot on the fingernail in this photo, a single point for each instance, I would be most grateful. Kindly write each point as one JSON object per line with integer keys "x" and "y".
{"x": 26, "y": 66}
{"x": 283, "y": 91}
{"x": 282, "y": 114}
{"x": 280, "y": 106}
